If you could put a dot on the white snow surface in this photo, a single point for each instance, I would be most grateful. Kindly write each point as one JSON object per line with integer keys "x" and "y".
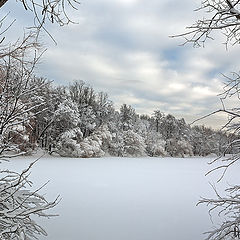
{"x": 125, "y": 198}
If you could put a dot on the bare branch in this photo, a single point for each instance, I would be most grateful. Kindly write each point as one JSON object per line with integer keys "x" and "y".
{"x": 222, "y": 15}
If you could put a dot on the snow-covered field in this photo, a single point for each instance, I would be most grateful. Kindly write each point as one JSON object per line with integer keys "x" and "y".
{"x": 125, "y": 198}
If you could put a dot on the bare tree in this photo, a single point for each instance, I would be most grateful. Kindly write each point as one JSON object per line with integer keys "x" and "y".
{"x": 54, "y": 11}
{"x": 18, "y": 103}
{"x": 228, "y": 205}
{"x": 224, "y": 16}
{"x": 18, "y": 107}
{"x": 219, "y": 15}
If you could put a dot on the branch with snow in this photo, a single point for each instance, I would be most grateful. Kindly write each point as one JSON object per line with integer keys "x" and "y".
{"x": 18, "y": 205}
{"x": 228, "y": 207}
{"x": 223, "y": 15}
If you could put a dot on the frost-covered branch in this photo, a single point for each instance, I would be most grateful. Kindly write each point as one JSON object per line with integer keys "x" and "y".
{"x": 18, "y": 205}
{"x": 19, "y": 104}
{"x": 220, "y": 15}
{"x": 228, "y": 207}
{"x": 43, "y": 12}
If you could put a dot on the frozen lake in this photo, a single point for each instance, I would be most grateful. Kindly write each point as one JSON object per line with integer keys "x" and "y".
{"x": 125, "y": 198}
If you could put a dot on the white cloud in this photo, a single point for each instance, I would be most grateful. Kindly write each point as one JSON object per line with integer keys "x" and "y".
{"x": 203, "y": 92}
{"x": 127, "y": 2}
{"x": 177, "y": 87}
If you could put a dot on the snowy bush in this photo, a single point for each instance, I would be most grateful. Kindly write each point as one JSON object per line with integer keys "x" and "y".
{"x": 155, "y": 145}
{"x": 68, "y": 144}
{"x": 179, "y": 148}
{"x": 156, "y": 149}
{"x": 71, "y": 143}
{"x": 93, "y": 145}
{"x": 133, "y": 144}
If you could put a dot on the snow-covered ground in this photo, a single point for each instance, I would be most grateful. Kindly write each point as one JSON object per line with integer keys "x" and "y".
{"x": 125, "y": 198}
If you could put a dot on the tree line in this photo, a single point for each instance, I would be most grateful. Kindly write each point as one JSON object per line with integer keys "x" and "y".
{"x": 77, "y": 121}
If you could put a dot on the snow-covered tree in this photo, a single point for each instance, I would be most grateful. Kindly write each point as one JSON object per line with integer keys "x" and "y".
{"x": 66, "y": 117}
{"x": 68, "y": 143}
{"x": 103, "y": 109}
{"x": 224, "y": 16}
{"x": 178, "y": 148}
{"x": 94, "y": 108}
{"x": 18, "y": 107}
{"x": 155, "y": 145}
{"x": 115, "y": 147}
{"x": 128, "y": 117}
{"x": 133, "y": 144}
{"x": 72, "y": 143}
{"x": 170, "y": 127}
{"x": 158, "y": 116}
{"x": 95, "y": 144}
{"x": 202, "y": 141}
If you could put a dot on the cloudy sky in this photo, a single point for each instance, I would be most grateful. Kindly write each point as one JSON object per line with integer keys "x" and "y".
{"x": 122, "y": 47}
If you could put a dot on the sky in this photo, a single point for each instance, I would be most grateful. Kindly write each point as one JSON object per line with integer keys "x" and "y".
{"x": 123, "y": 48}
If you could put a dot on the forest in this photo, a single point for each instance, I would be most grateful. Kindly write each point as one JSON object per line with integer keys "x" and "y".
{"x": 77, "y": 121}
